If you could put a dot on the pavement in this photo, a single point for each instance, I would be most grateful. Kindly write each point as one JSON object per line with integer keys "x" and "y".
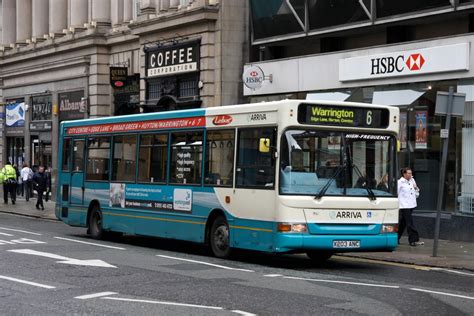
{"x": 451, "y": 254}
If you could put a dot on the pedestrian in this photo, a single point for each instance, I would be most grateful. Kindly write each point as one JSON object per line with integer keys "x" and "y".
{"x": 26, "y": 176}
{"x": 40, "y": 183}
{"x": 408, "y": 192}
{"x": 9, "y": 182}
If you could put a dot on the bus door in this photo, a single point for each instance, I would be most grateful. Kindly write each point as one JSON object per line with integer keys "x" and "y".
{"x": 77, "y": 188}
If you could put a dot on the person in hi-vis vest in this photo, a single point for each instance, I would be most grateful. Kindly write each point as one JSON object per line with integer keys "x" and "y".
{"x": 9, "y": 182}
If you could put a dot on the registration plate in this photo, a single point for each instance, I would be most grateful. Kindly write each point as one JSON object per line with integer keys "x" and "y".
{"x": 346, "y": 244}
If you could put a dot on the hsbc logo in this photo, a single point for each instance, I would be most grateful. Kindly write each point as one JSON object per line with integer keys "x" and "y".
{"x": 415, "y": 61}
{"x": 388, "y": 65}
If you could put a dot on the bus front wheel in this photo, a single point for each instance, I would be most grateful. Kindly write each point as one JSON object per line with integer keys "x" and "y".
{"x": 319, "y": 257}
{"x": 95, "y": 223}
{"x": 220, "y": 238}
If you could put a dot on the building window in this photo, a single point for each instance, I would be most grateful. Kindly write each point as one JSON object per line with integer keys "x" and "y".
{"x": 186, "y": 158}
{"x": 181, "y": 87}
{"x": 98, "y": 156}
{"x": 124, "y": 160}
{"x": 324, "y": 14}
{"x": 153, "y": 158}
{"x": 219, "y": 165}
{"x": 136, "y": 9}
{"x": 255, "y": 169}
{"x": 389, "y": 8}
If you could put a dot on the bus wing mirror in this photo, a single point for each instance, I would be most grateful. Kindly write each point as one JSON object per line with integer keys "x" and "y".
{"x": 399, "y": 145}
{"x": 264, "y": 145}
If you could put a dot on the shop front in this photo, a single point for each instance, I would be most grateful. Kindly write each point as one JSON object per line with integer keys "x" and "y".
{"x": 172, "y": 76}
{"x": 40, "y": 130}
{"x": 409, "y": 77}
{"x": 15, "y": 130}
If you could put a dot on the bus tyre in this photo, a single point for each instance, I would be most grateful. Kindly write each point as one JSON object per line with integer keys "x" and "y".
{"x": 220, "y": 238}
{"x": 95, "y": 223}
{"x": 319, "y": 257}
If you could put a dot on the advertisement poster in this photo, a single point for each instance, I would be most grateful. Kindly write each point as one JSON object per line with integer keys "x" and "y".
{"x": 421, "y": 134}
{"x": 403, "y": 130}
{"x": 15, "y": 116}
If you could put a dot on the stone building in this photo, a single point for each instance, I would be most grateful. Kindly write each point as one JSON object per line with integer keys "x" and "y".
{"x": 72, "y": 59}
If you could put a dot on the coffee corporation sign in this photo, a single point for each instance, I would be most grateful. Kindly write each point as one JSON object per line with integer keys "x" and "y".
{"x": 406, "y": 63}
{"x": 172, "y": 59}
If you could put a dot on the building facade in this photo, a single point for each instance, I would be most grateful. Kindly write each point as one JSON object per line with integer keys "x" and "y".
{"x": 399, "y": 53}
{"x": 71, "y": 59}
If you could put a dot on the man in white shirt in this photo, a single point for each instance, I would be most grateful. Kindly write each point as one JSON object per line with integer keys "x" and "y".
{"x": 408, "y": 191}
{"x": 26, "y": 175}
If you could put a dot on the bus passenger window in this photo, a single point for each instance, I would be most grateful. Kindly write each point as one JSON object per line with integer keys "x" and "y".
{"x": 219, "y": 166}
{"x": 78, "y": 154}
{"x": 66, "y": 154}
{"x": 152, "y": 158}
{"x": 186, "y": 158}
{"x": 124, "y": 159}
{"x": 98, "y": 153}
{"x": 255, "y": 169}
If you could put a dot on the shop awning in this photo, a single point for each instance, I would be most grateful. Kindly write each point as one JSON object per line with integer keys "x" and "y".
{"x": 328, "y": 96}
{"x": 396, "y": 97}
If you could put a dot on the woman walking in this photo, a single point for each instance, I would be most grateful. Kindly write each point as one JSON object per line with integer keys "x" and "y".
{"x": 408, "y": 192}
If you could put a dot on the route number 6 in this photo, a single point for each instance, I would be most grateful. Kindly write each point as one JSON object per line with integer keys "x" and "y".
{"x": 368, "y": 118}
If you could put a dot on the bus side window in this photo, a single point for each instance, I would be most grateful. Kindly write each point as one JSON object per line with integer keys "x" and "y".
{"x": 78, "y": 156}
{"x": 153, "y": 156}
{"x": 219, "y": 165}
{"x": 124, "y": 158}
{"x": 98, "y": 153}
{"x": 255, "y": 169}
{"x": 66, "y": 157}
{"x": 186, "y": 157}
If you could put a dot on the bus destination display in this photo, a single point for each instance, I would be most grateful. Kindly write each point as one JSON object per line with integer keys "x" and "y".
{"x": 342, "y": 116}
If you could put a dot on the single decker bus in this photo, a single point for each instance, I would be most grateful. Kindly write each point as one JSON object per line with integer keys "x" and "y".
{"x": 290, "y": 176}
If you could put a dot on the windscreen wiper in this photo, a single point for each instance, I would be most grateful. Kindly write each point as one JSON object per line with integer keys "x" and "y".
{"x": 326, "y": 186}
{"x": 370, "y": 193}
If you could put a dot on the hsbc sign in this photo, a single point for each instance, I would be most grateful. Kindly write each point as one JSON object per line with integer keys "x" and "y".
{"x": 397, "y": 64}
{"x": 416, "y": 62}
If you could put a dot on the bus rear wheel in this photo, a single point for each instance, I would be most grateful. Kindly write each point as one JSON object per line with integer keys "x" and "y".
{"x": 219, "y": 238}
{"x": 319, "y": 257}
{"x": 95, "y": 223}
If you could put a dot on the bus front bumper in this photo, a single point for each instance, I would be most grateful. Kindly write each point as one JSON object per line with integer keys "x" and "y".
{"x": 286, "y": 242}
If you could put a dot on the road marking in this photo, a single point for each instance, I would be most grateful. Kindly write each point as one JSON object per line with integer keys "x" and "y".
{"x": 442, "y": 293}
{"x": 90, "y": 243}
{"x": 20, "y": 231}
{"x": 5, "y": 234}
{"x": 161, "y": 303}
{"x": 452, "y": 271}
{"x": 27, "y": 282}
{"x": 205, "y": 263}
{"x": 273, "y": 275}
{"x": 344, "y": 282}
{"x": 388, "y": 263}
{"x": 66, "y": 260}
{"x": 88, "y": 296}
{"x": 243, "y": 313}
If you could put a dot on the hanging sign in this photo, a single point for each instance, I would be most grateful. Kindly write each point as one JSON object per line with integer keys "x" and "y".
{"x": 118, "y": 75}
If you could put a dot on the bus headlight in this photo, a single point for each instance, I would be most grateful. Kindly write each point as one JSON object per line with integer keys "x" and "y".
{"x": 292, "y": 228}
{"x": 389, "y": 228}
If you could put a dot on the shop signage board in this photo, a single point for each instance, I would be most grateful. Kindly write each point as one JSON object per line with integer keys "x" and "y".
{"x": 253, "y": 77}
{"x": 406, "y": 63}
{"x": 72, "y": 105}
{"x": 118, "y": 75}
{"x": 172, "y": 59}
{"x": 15, "y": 114}
{"x": 41, "y": 108}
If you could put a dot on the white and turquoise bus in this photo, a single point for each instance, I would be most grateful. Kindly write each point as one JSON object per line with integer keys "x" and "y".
{"x": 282, "y": 177}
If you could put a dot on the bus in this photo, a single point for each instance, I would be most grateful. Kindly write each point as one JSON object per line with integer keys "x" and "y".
{"x": 290, "y": 176}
